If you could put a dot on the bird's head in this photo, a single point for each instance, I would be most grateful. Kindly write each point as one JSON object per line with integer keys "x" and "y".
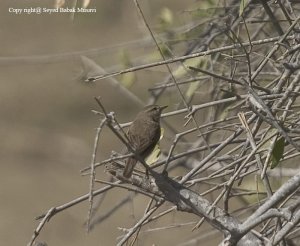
{"x": 154, "y": 111}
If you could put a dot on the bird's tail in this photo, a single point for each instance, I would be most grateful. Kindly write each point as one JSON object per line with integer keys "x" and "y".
{"x": 129, "y": 166}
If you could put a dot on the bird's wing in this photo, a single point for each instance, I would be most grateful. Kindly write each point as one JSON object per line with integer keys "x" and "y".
{"x": 145, "y": 139}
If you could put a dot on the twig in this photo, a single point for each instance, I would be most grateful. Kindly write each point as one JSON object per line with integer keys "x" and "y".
{"x": 193, "y": 55}
{"x": 93, "y": 172}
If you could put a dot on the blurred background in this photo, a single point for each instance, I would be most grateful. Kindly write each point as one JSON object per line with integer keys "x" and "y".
{"x": 47, "y": 127}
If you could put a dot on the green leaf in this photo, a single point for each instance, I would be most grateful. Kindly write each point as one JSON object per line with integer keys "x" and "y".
{"x": 165, "y": 49}
{"x": 195, "y": 62}
{"x": 183, "y": 70}
{"x": 154, "y": 156}
{"x": 207, "y": 9}
{"x": 224, "y": 112}
{"x": 162, "y": 132}
{"x": 125, "y": 58}
{"x": 127, "y": 79}
{"x": 277, "y": 152}
{"x": 166, "y": 17}
{"x": 243, "y": 5}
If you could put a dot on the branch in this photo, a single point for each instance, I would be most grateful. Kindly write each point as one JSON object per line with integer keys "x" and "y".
{"x": 186, "y": 200}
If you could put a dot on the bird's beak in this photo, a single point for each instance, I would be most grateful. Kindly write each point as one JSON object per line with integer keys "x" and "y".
{"x": 163, "y": 107}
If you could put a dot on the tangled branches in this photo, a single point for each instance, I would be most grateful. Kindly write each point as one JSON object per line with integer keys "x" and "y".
{"x": 236, "y": 136}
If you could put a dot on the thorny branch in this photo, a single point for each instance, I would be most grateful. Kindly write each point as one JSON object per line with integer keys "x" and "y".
{"x": 253, "y": 87}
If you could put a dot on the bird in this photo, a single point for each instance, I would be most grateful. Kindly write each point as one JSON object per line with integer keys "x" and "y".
{"x": 143, "y": 135}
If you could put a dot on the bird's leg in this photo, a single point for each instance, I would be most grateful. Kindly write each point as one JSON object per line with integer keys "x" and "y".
{"x": 165, "y": 173}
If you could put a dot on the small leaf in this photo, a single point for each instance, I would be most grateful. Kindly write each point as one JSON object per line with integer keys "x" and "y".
{"x": 165, "y": 49}
{"x": 207, "y": 9}
{"x": 154, "y": 156}
{"x": 202, "y": 63}
{"x": 166, "y": 16}
{"x": 85, "y": 3}
{"x": 224, "y": 113}
{"x": 59, "y": 3}
{"x": 125, "y": 58}
{"x": 277, "y": 152}
{"x": 127, "y": 79}
{"x": 182, "y": 70}
{"x": 162, "y": 132}
{"x": 243, "y": 5}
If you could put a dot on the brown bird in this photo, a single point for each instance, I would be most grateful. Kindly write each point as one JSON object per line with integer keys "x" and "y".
{"x": 143, "y": 135}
